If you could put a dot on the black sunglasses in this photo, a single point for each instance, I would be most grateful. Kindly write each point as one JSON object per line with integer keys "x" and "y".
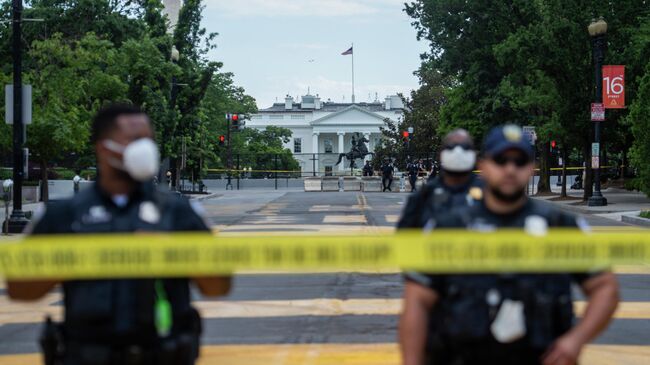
{"x": 519, "y": 161}
{"x": 465, "y": 146}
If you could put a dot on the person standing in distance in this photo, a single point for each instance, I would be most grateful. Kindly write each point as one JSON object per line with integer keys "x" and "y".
{"x": 367, "y": 169}
{"x": 387, "y": 171}
{"x": 504, "y": 318}
{"x": 122, "y": 321}
{"x": 457, "y": 186}
{"x": 413, "y": 168}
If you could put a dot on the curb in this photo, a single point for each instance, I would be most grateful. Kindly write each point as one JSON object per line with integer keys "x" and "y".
{"x": 205, "y": 197}
{"x": 637, "y": 221}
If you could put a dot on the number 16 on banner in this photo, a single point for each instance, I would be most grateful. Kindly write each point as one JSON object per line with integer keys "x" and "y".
{"x": 614, "y": 87}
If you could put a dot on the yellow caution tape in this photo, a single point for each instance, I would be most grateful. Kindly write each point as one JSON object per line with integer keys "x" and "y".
{"x": 187, "y": 255}
{"x": 236, "y": 170}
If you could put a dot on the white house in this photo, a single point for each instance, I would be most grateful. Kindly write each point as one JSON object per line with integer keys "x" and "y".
{"x": 322, "y": 130}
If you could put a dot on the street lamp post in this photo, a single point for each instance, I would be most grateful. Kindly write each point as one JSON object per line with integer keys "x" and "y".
{"x": 175, "y": 57}
{"x": 597, "y": 30}
{"x": 17, "y": 221}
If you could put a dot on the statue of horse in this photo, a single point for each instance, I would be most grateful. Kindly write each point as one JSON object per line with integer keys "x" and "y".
{"x": 359, "y": 150}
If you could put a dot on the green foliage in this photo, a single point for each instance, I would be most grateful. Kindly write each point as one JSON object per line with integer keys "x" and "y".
{"x": 639, "y": 118}
{"x": 87, "y": 53}
{"x": 529, "y": 63}
{"x": 262, "y": 150}
{"x": 645, "y": 214}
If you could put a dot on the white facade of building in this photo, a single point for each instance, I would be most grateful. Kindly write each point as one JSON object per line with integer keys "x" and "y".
{"x": 327, "y": 128}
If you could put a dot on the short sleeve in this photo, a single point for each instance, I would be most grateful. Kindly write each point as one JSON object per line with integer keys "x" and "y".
{"x": 192, "y": 217}
{"x": 572, "y": 221}
{"x": 433, "y": 282}
{"x": 410, "y": 217}
{"x": 52, "y": 218}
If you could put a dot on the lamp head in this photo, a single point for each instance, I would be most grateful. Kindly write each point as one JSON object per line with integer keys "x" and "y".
{"x": 597, "y": 27}
{"x": 176, "y": 55}
{"x": 7, "y": 184}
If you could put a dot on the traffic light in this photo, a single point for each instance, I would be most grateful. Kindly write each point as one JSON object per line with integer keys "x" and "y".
{"x": 553, "y": 144}
{"x": 236, "y": 122}
{"x": 222, "y": 140}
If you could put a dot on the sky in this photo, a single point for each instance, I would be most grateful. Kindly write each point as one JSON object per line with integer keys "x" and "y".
{"x": 280, "y": 47}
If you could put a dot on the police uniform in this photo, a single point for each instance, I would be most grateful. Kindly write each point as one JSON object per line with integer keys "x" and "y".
{"x": 112, "y": 321}
{"x": 437, "y": 197}
{"x": 499, "y": 318}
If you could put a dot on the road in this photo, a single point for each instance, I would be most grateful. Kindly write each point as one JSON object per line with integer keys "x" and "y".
{"x": 322, "y": 318}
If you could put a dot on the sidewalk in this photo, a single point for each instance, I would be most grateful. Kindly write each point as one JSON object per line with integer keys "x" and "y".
{"x": 619, "y": 202}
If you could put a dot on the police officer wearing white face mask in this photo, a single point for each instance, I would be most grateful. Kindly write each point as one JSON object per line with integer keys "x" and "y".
{"x": 122, "y": 321}
{"x": 457, "y": 186}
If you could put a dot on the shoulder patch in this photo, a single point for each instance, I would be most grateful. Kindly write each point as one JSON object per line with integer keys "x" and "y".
{"x": 476, "y": 193}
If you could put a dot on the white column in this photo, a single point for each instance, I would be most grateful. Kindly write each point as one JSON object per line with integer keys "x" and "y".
{"x": 314, "y": 149}
{"x": 366, "y": 135}
{"x": 341, "y": 149}
{"x": 314, "y": 142}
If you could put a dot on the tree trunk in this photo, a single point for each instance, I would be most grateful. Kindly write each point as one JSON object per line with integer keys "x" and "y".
{"x": 587, "y": 183}
{"x": 564, "y": 162}
{"x": 44, "y": 186}
{"x": 544, "y": 184}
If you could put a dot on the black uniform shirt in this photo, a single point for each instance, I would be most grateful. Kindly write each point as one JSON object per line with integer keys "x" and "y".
{"x": 464, "y": 312}
{"x": 120, "y": 310}
{"x": 479, "y": 218}
{"x": 436, "y": 198}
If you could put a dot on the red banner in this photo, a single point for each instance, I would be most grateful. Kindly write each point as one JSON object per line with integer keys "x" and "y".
{"x": 614, "y": 87}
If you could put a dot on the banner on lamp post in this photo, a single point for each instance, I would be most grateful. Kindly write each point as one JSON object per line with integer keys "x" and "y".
{"x": 614, "y": 86}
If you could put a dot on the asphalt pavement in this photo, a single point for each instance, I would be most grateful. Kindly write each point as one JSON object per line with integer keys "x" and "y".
{"x": 327, "y": 317}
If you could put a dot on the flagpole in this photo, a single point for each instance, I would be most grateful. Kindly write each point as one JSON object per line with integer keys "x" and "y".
{"x": 352, "y": 73}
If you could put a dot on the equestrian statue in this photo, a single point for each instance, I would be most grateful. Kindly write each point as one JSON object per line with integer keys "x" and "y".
{"x": 359, "y": 150}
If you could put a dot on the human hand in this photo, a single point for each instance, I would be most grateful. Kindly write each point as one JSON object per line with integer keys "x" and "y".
{"x": 564, "y": 351}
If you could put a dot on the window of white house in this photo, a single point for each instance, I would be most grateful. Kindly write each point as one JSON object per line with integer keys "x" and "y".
{"x": 276, "y": 116}
{"x": 297, "y": 116}
{"x": 328, "y": 145}
{"x": 297, "y": 145}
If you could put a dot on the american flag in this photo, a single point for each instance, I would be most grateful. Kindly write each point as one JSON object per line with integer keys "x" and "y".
{"x": 349, "y": 51}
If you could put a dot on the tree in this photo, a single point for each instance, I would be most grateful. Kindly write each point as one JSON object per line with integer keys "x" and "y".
{"x": 528, "y": 63}
{"x": 639, "y": 117}
{"x": 71, "y": 81}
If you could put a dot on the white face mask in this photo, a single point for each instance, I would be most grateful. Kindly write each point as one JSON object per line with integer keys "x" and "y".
{"x": 457, "y": 159}
{"x": 140, "y": 158}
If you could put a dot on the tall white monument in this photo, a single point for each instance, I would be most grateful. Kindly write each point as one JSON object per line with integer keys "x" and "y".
{"x": 172, "y": 10}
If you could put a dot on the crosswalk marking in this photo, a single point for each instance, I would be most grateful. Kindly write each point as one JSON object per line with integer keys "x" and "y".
{"x": 17, "y": 312}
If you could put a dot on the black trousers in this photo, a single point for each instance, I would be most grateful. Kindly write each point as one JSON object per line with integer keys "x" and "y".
{"x": 413, "y": 179}
{"x": 383, "y": 183}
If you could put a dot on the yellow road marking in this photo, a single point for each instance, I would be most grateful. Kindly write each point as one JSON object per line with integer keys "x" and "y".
{"x": 18, "y": 312}
{"x": 618, "y": 229}
{"x": 344, "y": 219}
{"x": 320, "y": 208}
{"x": 355, "y": 354}
{"x": 392, "y": 218}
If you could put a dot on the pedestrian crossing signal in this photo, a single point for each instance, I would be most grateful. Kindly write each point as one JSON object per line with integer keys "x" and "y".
{"x": 222, "y": 140}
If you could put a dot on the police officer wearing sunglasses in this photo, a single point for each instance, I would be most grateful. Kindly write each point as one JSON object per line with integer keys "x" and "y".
{"x": 503, "y": 318}
{"x": 122, "y": 321}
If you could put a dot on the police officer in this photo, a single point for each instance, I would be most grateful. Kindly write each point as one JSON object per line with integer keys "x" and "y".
{"x": 122, "y": 321}
{"x": 387, "y": 171}
{"x": 455, "y": 187}
{"x": 413, "y": 169}
{"x": 367, "y": 169}
{"x": 503, "y": 318}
